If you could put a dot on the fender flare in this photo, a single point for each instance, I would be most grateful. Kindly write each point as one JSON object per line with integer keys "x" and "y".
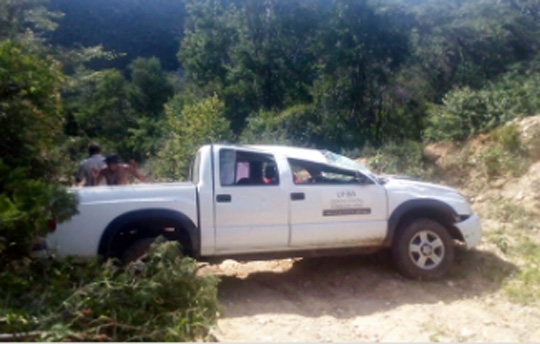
{"x": 411, "y": 205}
{"x": 145, "y": 215}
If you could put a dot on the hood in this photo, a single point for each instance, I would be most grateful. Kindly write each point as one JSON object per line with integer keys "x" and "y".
{"x": 402, "y": 189}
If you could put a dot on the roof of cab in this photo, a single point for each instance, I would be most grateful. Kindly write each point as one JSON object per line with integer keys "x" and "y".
{"x": 288, "y": 151}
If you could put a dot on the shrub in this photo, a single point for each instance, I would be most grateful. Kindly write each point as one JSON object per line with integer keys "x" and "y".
{"x": 30, "y": 128}
{"x": 191, "y": 125}
{"x": 466, "y": 112}
{"x": 162, "y": 299}
{"x": 508, "y": 137}
{"x": 506, "y": 154}
{"x": 492, "y": 160}
{"x": 401, "y": 158}
{"x": 298, "y": 125}
{"x": 498, "y": 161}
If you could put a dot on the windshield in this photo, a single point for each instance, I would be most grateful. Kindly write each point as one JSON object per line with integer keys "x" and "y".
{"x": 343, "y": 161}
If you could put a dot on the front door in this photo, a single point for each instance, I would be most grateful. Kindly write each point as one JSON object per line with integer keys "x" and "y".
{"x": 251, "y": 205}
{"x": 331, "y": 207}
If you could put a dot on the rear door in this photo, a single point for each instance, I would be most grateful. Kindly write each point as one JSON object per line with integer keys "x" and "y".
{"x": 331, "y": 207}
{"x": 251, "y": 203}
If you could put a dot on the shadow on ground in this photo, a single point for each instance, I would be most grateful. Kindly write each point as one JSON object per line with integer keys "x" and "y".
{"x": 345, "y": 287}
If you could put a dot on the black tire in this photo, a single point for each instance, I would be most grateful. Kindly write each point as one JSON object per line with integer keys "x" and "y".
{"x": 423, "y": 249}
{"x": 137, "y": 250}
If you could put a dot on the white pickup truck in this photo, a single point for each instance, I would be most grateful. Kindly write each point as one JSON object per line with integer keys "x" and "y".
{"x": 256, "y": 202}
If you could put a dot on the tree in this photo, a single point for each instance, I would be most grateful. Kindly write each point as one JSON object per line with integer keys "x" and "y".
{"x": 191, "y": 126}
{"x": 142, "y": 28}
{"x": 361, "y": 48}
{"x": 150, "y": 89}
{"x": 463, "y": 43}
{"x": 22, "y": 17}
{"x": 30, "y": 130}
{"x": 103, "y": 111}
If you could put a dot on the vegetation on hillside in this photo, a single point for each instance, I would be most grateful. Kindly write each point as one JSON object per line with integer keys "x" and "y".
{"x": 327, "y": 73}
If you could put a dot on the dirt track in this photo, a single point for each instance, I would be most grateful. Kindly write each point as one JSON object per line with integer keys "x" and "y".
{"x": 362, "y": 298}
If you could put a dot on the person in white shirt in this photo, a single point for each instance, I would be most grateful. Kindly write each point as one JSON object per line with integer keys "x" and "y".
{"x": 95, "y": 161}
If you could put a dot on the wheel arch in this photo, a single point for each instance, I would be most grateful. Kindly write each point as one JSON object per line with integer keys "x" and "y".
{"x": 427, "y": 208}
{"x": 152, "y": 223}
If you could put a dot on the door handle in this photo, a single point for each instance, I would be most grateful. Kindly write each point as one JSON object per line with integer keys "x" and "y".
{"x": 223, "y": 198}
{"x": 298, "y": 196}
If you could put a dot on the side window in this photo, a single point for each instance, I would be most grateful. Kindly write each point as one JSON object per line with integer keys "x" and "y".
{"x": 307, "y": 172}
{"x": 247, "y": 168}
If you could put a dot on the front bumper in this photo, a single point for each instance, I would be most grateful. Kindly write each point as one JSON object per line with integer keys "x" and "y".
{"x": 471, "y": 230}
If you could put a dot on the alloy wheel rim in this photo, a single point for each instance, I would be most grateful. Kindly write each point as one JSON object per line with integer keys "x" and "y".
{"x": 426, "y": 250}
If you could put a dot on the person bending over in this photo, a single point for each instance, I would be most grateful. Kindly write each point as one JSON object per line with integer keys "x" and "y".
{"x": 116, "y": 173}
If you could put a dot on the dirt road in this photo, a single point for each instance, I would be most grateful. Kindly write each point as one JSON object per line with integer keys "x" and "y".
{"x": 363, "y": 299}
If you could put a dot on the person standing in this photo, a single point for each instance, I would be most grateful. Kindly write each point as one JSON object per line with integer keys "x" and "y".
{"x": 95, "y": 161}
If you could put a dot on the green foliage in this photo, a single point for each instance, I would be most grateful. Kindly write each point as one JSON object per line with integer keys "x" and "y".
{"x": 492, "y": 159}
{"x": 466, "y": 112}
{"x": 162, "y": 299}
{"x": 405, "y": 158}
{"x": 499, "y": 162}
{"x": 191, "y": 125}
{"x": 30, "y": 117}
{"x": 150, "y": 88}
{"x": 104, "y": 112}
{"x": 463, "y": 43}
{"x": 506, "y": 154}
{"x": 126, "y": 117}
{"x": 210, "y": 33}
{"x": 17, "y": 16}
{"x": 294, "y": 125}
{"x": 142, "y": 29}
{"x": 25, "y": 207}
{"x": 30, "y": 128}
{"x": 508, "y": 137}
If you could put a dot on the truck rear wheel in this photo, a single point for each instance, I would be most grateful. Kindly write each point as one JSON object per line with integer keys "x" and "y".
{"x": 423, "y": 249}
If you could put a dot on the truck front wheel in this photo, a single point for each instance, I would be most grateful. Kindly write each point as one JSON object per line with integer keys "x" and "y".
{"x": 423, "y": 249}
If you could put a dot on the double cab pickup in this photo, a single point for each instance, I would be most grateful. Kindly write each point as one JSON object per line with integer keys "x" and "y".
{"x": 258, "y": 202}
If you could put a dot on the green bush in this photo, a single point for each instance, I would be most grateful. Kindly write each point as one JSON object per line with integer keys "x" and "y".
{"x": 298, "y": 125}
{"x": 508, "y": 137}
{"x": 162, "y": 299}
{"x": 466, "y": 112}
{"x": 405, "y": 158}
{"x": 30, "y": 129}
{"x": 492, "y": 160}
{"x": 497, "y": 161}
{"x": 191, "y": 125}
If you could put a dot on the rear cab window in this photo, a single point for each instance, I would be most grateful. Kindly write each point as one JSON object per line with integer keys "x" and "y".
{"x": 239, "y": 168}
